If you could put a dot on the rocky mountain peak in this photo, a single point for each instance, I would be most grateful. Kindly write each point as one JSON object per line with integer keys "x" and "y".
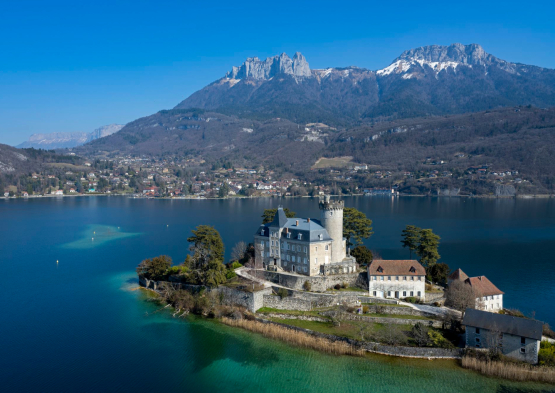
{"x": 255, "y": 68}
{"x": 472, "y": 54}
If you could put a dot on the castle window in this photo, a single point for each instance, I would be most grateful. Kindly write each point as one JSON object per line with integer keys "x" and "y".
{"x": 327, "y": 247}
{"x": 389, "y": 278}
{"x": 381, "y": 278}
{"x": 284, "y": 263}
{"x": 321, "y": 237}
{"x": 300, "y": 236}
{"x": 262, "y": 231}
{"x": 305, "y": 249}
{"x": 396, "y": 278}
{"x": 316, "y": 248}
{"x": 412, "y": 278}
{"x": 288, "y": 256}
{"x": 289, "y": 235}
{"x": 412, "y": 269}
{"x": 477, "y": 330}
{"x": 522, "y": 350}
{"x": 305, "y": 269}
{"x": 315, "y": 260}
{"x": 380, "y": 269}
{"x": 411, "y": 293}
{"x": 419, "y": 293}
{"x": 299, "y": 248}
{"x": 523, "y": 340}
{"x": 404, "y": 293}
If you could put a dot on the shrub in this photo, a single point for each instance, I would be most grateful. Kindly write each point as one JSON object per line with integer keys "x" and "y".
{"x": 437, "y": 304}
{"x": 307, "y": 286}
{"x": 437, "y": 340}
{"x": 344, "y": 285}
{"x": 365, "y": 309}
{"x": 235, "y": 265}
{"x": 546, "y": 356}
{"x": 282, "y": 293}
{"x": 337, "y": 287}
{"x": 155, "y": 268}
{"x": 411, "y": 299}
{"x": 351, "y": 309}
{"x": 420, "y": 333}
{"x": 230, "y": 274}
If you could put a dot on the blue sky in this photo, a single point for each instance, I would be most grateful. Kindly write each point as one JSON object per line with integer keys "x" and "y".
{"x": 74, "y": 66}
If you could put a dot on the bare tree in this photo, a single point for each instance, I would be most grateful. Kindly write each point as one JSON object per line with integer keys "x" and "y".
{"x": 461, "y": 296}
{"x": 238, "y": 252}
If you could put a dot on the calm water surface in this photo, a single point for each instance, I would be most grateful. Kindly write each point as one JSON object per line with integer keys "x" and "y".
{"x": 78, "y": 325}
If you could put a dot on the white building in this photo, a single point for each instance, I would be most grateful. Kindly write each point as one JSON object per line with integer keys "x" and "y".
{"x": 396, "y": 279}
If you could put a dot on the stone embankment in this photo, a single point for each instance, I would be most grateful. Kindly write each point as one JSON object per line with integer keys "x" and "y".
{"x": 252, "y": 301}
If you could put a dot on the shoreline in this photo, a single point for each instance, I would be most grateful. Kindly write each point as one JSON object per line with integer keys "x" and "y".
{"x": 135, "y": 196}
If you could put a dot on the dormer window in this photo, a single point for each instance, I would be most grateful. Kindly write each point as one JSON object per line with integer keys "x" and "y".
{"x": 412, "y": 269}
{"x": 321, "y": 236}
{"x": 299, "y": 236}
{"x": 380, "y": 269}
{"x": 289, "y": 235}
{"x": 262, "y": 232}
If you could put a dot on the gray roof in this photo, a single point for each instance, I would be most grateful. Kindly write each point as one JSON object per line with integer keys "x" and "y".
{"x": 504, "y": 323}
{"x": 309, "y": 229}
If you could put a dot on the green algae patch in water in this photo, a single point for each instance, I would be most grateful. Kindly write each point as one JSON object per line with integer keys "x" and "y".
{"x": 97, "y": 235}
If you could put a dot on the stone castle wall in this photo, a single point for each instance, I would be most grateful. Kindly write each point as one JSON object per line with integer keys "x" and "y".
{"x": 317, "y": 283}
{"x": 287, "y": 303}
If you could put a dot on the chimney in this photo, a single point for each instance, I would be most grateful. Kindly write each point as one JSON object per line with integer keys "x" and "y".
{"x": 286, "y": 230}
{"x": 308, "y": 220}
{"x": 297, "y": 223}
{"x": 480, "y": 278}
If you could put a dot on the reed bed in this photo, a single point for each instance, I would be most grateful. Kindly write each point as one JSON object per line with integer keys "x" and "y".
{"x": 295, "y": 337}
{"x": 515, "y": 372}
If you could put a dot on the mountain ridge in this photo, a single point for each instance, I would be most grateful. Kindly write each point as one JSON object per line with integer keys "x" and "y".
{"x": 430, "y": 80}
{"x": 58, "y": 140}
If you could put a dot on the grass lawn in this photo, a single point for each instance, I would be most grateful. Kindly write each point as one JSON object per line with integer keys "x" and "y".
{"x": 397, "y": 316}
{"x": 348, "y": 289}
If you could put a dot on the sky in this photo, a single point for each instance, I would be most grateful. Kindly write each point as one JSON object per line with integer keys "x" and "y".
{"x": 74, "y": 66}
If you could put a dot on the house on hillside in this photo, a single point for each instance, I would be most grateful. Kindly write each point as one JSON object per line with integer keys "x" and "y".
{"x": 516, "y": 337}
{"x": 490, "y": 298}
{"x": 396, "y": 279}
{"x": 304, "y": 245}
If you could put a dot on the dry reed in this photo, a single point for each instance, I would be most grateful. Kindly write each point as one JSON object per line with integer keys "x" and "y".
{"x": 515, "y": 372}
{"x": 295, "y": 337}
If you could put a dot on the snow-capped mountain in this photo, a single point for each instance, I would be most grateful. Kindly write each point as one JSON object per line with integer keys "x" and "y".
{"x": 58, "y": 140}
{"x": 427, "y": 80}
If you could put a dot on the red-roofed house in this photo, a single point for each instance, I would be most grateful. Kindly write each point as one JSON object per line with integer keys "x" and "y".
{"x": 490, "y": 297}
{"x": 396, "y": 279}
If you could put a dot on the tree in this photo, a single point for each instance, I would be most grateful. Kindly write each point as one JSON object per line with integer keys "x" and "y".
{"x": 363, "y": 255}
{"x": 420, "y": 334}
{"x": 269, "y": 214}
{"x": 438, "y": 273}
{"x": 224, "y": 190}
{"x": 209, "y": 238}
{"x": 460, "y": 296}
{"x": 427, "y": 248}
{"x": 411, "y": 238}
{"x": 356, "y": 225}
{"x": 155, "y": 268}
{"x": 238, "y": 252}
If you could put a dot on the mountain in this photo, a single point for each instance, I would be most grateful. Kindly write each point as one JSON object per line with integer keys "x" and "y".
{"x": 58, "y": 140}
{"x": 431, "y": 80}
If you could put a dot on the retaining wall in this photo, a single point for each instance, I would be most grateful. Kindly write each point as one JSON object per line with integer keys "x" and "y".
{"x": 287, "y": 303}
{"x": 317, "y": 283}
{"x": 252, "y": 301}
{"x": 432, "y": 297}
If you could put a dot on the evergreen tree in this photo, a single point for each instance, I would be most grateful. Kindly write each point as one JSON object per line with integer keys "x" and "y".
{"x": 356, "y": 226}
{"x": 411, "y": 238}
{"x": 427, "y": 248}
{"x": 209, "y": 238}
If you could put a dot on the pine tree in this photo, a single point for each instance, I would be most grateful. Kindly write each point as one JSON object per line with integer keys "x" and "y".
{"x": 411, "y": 238}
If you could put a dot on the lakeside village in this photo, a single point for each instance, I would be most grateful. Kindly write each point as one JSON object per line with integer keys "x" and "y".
{"x": 194, "y": 178}
{"x": 311, "y": 282}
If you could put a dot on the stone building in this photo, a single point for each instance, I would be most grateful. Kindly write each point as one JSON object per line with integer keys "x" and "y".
{"x": 396, "y": 279}
{"x": 489, "y": 298}
{"x": 516, "y": 337}
{"x": 304, "y": 245}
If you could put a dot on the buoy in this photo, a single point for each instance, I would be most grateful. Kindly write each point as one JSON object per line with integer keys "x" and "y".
{"x": 57, "y": 261}
{"x": 167, "y": 226}
{"x": 94, "y": 232}
{"x": 93, "y": 238}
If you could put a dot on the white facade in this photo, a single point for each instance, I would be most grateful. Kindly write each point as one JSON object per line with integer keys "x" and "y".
{"x": 492, "y": 303}
{"x": 397, "y": 287}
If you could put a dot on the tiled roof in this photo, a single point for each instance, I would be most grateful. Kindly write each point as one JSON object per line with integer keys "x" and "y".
{"x": 458, "y": 275}
{"x": 383, "y": 267}
{"x": 504, "y": 323}
{"x": 483, "y": 286}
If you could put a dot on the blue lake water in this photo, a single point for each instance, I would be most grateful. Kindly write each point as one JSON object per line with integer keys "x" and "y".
{"x": 73, "y": 321}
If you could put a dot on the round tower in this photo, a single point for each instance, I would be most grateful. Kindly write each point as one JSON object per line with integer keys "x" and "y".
{"x": 331, "y": 217}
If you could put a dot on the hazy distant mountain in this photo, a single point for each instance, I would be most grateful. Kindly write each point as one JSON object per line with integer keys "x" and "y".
{"x": 57, "y": 140}
{"x": 431, "y": 80}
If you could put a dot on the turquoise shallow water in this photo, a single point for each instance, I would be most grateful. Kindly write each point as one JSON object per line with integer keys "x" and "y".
{"x": 79, "y": 325}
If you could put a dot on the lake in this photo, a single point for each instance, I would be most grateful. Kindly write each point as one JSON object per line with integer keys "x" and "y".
{"x": 72, "y": 319}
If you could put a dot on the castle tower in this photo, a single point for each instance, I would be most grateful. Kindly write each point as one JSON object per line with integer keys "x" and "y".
{"x": 331, "y": 217}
